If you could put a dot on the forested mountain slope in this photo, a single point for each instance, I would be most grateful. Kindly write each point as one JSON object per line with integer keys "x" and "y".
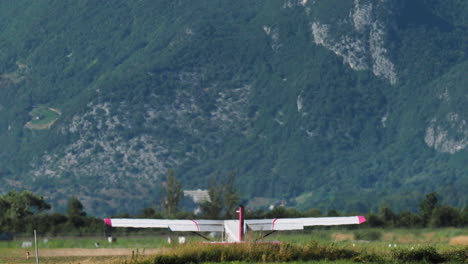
{"x": 325, "y": 104}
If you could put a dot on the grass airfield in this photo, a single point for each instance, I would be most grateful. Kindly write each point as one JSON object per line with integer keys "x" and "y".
{"x": 364, "y": 245}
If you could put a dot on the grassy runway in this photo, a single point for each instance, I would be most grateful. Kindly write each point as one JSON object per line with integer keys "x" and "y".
{"x": 310, "y": 246}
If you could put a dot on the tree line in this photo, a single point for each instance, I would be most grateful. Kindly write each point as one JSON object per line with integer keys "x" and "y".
{"x": 431, "y": 214}
{"x": 22, "y": 212}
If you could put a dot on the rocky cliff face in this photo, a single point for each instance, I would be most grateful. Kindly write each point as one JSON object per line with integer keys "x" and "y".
{"x": 447, "y": 131}
{"x": 449, "y": 135}
{"x": 106, "y": 148}
{"x": 103, "y": 147}
{"x": 363, "y": 47}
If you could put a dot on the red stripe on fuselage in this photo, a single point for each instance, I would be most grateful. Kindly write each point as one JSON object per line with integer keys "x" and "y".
{"x": 273, "y": 224}
{"x": 196, "y": 223}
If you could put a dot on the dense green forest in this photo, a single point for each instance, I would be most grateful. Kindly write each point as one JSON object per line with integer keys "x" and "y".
{"x": 342, "y": 105}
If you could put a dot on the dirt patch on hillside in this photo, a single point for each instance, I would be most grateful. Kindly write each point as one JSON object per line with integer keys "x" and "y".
{"x": 342, "y": 237}
{"x": 459, "y": 241}
{"x": 85, "y": 252}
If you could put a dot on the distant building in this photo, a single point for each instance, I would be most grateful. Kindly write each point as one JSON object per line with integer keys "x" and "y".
{"x": 280, "y": 203}
{"x": 198, "y": 197}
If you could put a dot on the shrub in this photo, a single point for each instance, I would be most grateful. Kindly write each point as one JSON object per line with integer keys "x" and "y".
{"x": 253, "y": 253}
{"x": 427, "y": 254}
{"x": 369, "y": 258}
{"x": 460, "y": 255}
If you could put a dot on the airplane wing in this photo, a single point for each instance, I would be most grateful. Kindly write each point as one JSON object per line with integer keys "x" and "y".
{"x": 173, "y": 225}
{"x": 235, "y": 229}
{"x": 278, "y": 224}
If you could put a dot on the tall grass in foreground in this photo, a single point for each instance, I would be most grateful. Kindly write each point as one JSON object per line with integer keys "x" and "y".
{"x": 250, "y": 253}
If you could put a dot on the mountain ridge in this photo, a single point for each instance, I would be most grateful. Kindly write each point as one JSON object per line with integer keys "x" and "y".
{"x": 341, "y": 102}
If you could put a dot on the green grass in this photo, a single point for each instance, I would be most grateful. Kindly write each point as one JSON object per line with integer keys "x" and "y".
{"x": 291, "y": 253}
{"x": 309, "y": 246}
{"x": 197, "y": 253}
{"x": 89, "y": 242}
{"x": 426, "y": 236}
{"x": 289, "y": 262}
{"x": 43, "y": 116}
{"x": 325, "y": 246}
{"x": 344, "y": 237}
{"x": 16, "y": 256}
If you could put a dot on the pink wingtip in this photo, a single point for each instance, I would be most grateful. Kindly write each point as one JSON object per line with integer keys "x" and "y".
{"x": 362, "y": 219}
{"x": 108, "y": 221}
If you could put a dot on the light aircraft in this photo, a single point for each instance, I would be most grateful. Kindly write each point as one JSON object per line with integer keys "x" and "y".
{"x": 235, "y": 230}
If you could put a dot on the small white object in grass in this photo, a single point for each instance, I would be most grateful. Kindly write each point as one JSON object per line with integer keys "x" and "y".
{"x": 181, "y": 240}
{"x": 26, "y": 244}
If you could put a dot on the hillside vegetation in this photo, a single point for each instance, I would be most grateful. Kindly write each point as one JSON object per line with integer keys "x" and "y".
{"x": 324, "y": 104}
